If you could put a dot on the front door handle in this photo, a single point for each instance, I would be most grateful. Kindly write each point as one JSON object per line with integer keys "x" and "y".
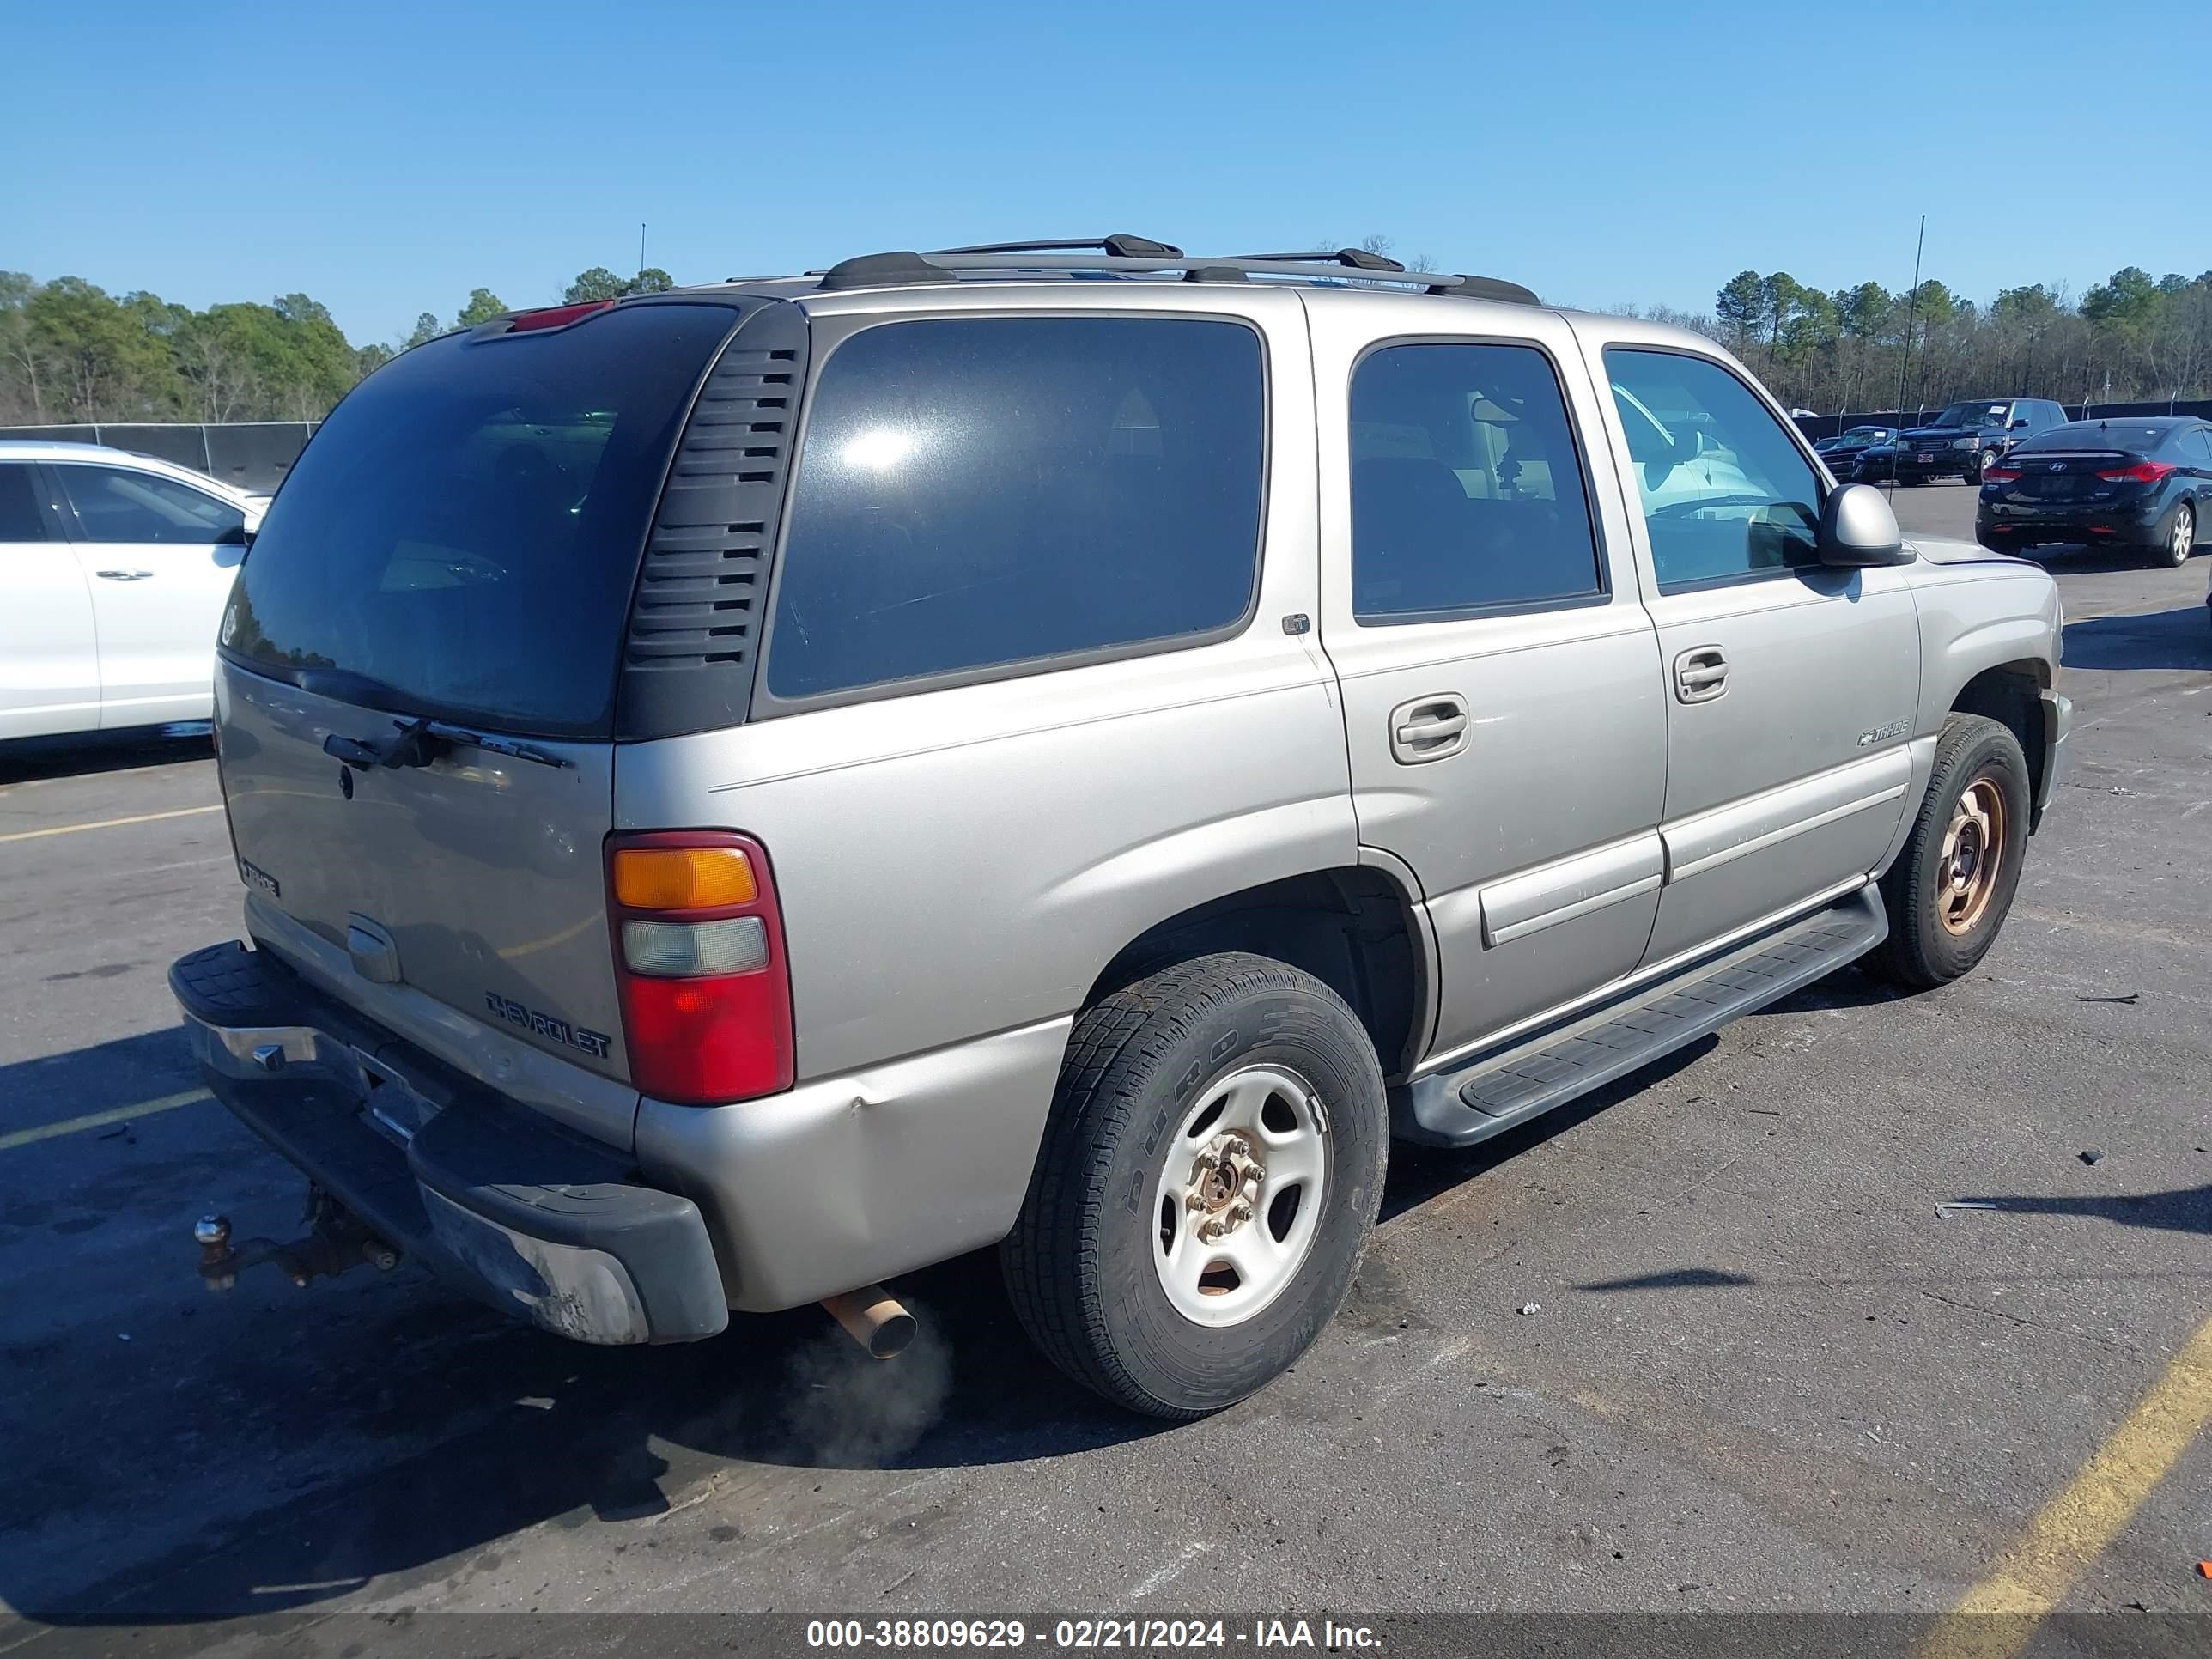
{"x": 1701, "y": 674}
{"x": 1428, "y": 728}
{"x": 123, "y": 575}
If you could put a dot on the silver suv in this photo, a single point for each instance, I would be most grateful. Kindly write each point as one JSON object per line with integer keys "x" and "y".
{"x": 747, "y": 792}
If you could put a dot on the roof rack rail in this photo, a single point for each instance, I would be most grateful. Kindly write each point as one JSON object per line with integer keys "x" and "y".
{"x": 1358, "y": 257}
{"x": 1344, "y": 266}
{"x": 1121, "y": 245}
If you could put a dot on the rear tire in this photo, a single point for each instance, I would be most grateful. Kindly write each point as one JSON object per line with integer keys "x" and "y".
{"x": 1113, "y": 1267}
{"x": 2180, "y": 540}
{"x": 1948, "y": 892}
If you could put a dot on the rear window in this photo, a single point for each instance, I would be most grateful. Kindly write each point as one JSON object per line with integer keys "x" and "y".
{"x": 463, "y": 533}
{"x": 21, "y": 518}
{"x": 979, "y": 493}
{"x": 2105, "y": 435}
{"x": 1467, "y": 491}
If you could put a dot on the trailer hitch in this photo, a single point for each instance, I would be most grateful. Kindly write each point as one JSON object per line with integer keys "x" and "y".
{"x": 336, "y": 1241}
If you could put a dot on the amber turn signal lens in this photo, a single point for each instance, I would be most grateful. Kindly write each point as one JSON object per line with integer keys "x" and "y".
{"x": 682, "y": 878}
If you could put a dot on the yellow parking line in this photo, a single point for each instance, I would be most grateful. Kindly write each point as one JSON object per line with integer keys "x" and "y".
{"x": 1996, "y": 1617}
{"x": 110, "y": 824}
{"x": 70, "y": 1126}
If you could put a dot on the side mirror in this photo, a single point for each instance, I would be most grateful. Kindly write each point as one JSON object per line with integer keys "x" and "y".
{"x": 2020, "y": 426}
{"x": 236, "y": 535}
{"x": 1858, "y": 530}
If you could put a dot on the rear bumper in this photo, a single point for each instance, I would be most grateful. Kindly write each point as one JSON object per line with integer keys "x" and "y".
{"x": 2007, "y": 522}
{"x": 545, "y": 1226}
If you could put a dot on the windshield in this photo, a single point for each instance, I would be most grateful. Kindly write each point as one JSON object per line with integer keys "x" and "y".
{"x": 1972, "y": 415}
{"x": 1864, "y": 435}
{"x": 462, "y": 535}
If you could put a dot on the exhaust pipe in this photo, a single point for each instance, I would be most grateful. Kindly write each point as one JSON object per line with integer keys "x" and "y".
{"x": 874, "y": 1318}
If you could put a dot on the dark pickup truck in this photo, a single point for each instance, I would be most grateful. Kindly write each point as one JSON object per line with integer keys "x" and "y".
{"x": 1961, "y": 441}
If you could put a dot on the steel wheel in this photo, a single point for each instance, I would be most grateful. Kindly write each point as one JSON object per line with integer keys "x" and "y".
{"x": 1239, "y": 1194}
{"x": 2181, "y": 541}
{"x": 1973, "y": 856}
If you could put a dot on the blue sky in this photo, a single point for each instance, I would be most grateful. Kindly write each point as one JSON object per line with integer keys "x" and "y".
{"x": 387, "y": 159}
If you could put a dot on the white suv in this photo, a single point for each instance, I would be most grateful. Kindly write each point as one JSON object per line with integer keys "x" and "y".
{"x": 114, "y": 570}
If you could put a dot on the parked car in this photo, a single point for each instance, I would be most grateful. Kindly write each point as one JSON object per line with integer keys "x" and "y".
{"x": 1842, "y": 452}
{"x": 1157, "y": 735}
{"x": 114, "y": 572}
{"x": 1958, "y": 442}
{"x": 2142, "y": 483}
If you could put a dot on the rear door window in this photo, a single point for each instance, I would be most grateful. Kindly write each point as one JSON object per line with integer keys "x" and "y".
{"x": 462, "y": 535}
{"x": 21, "y": 518}
{"x": 978, "y": 494}
{"x": 1466, "y": 489}
{"x": 115, "y": 504}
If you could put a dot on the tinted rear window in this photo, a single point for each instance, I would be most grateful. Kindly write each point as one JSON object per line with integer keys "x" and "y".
{"x": 21, "y": 519}
{"x": 2110, "y": 435}
{"x": 977, "y": 493}
{"x": 1467, "y": 491}
{"x": 465, "y": 528}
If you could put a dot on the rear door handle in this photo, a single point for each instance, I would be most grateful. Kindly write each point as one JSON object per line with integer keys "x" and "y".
{"x": 123, "y": 575}
{"x": 1701, "y": 674}
{"x": 1428, "y": 728}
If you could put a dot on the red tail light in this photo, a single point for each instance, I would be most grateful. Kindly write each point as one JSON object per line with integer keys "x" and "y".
{"x": 2141, "y": 472}
{"x": 706, "y": 991}
{"x": 2000, "y": 475}
{"x": 556, "y": 316}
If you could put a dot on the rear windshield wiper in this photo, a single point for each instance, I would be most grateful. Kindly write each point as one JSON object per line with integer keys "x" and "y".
{"x": 419, "y": 742}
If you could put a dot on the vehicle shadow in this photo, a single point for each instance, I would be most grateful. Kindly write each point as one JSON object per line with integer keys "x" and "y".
{"x": 2181, "y": 638}
{"x": 84, "y": 754}
{"x": 1847, "y": 988}
{"x": 506, "y": 1429}
{"x": 2081, "y": 559}
{"x": 119, "y": 1072}
{"x": 1419, "y": 1173}
{"x": 270, "y": 1450}
{"x": 387, "y": 1428}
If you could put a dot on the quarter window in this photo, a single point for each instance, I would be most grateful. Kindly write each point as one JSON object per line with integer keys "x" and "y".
{"x": 1726, "y": 494}
{"x": 117, "y": 505}
{"x": 20, "y": 517}
{"x": 1467, "y": 491}
{"x": 975, "y": 492}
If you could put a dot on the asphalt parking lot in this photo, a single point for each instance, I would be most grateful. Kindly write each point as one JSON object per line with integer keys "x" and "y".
{"x": 1764, "y": 1372}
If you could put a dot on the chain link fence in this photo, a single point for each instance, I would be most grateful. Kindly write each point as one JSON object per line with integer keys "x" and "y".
{"x": 251, "y": 455}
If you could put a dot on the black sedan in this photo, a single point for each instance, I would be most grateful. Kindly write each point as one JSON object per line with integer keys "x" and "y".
{"x": 2144, "y": 482}
{"x": 1843, "y": 452}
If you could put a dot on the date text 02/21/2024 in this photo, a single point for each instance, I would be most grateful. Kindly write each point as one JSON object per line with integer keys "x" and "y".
{"x": 1085, "y": 1635}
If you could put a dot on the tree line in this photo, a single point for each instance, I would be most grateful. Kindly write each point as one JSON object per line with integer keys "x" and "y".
{"x": 70, "y": 352}
{"x": 2131, "y": 337}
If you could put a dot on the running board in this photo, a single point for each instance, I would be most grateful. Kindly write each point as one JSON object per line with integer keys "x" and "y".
{"x": 1476, "y": 1100}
